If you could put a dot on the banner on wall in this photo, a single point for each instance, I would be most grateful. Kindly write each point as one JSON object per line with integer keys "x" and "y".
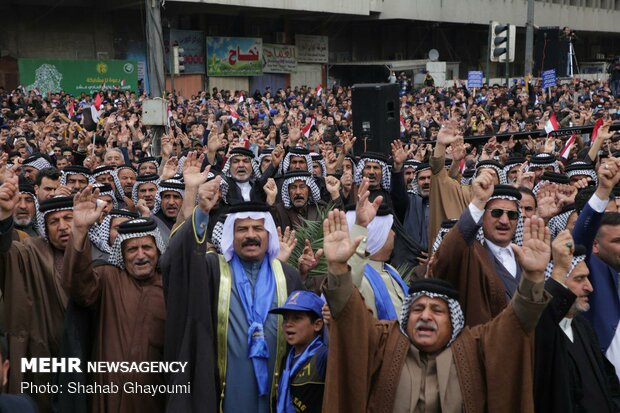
{"x": 312, "y": 49}
{"x": 234, "y": 56}
{"x": 193, "y": 44}
{"x": 77, "y": 76}
{"x": 279, "y": 58}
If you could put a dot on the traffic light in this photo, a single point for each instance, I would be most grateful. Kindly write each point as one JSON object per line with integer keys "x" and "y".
{"x": 503, "y": 38}
{"x": 177, "y": 60}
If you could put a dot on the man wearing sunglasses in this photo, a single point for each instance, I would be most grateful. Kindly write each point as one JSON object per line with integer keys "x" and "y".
{"x": 476, "y": 255}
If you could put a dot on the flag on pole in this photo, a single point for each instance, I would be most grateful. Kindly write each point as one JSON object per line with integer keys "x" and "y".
{"x": 71, "y": 109}
{"x": 319, "y": 90}
{"x": 565, "y": 152}
{"x": 98, "y": 101}
{"x": 403, "y": 126}
{"x": 597, "y": 126}
{"x": 122, "y": 82}
{"x": 241, "y": 98}
{"x": 306, "y": 129}
{"x": 462, "y": 166}
{"x": 552, "y": 124}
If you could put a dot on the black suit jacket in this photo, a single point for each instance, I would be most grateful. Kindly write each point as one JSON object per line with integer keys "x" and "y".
{"x": 557, "y": 386}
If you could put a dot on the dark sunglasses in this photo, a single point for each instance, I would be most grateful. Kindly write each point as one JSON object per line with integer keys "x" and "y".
{"x": 497, "y": 213}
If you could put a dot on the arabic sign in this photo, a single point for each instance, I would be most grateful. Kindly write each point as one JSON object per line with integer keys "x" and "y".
{"x": 193, "y": 45}
{"x": 474, "y": 79}
{"x": 548, "y": 78}
{"x": 313, "y": 49}
{"x": 234, "y": 56}
{"x": 77, "y": 76}
{"x": 279, "y": 58}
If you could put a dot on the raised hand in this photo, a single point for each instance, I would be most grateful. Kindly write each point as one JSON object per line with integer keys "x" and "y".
{"x": 277, "y": 155}
{"x": 271, "y": 190}
{"x": 287, "y": 243}
{"x": 143, "y": 209}
{"x": 333, "y": 186}
{"x": 346, "y": 182}
{"x": 365, "y": 211}
{"x": 170, "y": 168}
{"x": 192, "y": 177}
{"x": 448, "y": 133}
{"x": 208, "y": 194}
{"x": 535, "y": 253}
{"x": 562, "y": 249}
{"x": 338, "y": 247}
{"x": 399, "y": 154}
{"x": 482, "y": 187}
{"x": 86, "y": 209}
{"x": 9, "y": 196}
{"x": 308, "y": 260}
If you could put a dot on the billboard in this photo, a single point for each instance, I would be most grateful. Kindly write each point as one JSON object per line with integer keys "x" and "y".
{"x": 234, "y": 56}
{"x": 279, "y": 58}
{"x": 77, "y": 76}
{"x": 312, "y": 49}
{"x": 193, "y": 44}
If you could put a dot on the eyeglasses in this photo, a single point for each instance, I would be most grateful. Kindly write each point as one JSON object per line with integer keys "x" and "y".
{"x": 497, "y": 213}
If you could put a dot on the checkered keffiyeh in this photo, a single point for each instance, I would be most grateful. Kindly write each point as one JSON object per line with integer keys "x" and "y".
{"x": 116, "y": 257}
{"x": 287, "y": 160}
{"x": 500, "y": 172}
{"x": 456, "y": 313}
{"x": 317, "y": 157}
{"x": 315, "y": 193}
{"x": 162, "y": 187}
{"x": 518, "y": 236}
{"x": 216, "y": 236}
{"x": 38, "y": 163}
{"x": 255, "y": 166}
{"x": 558, "y": 223}
{"x": 40, "y": 216}
{"x": 386, "y": 179}
{"x": 583, "y": 172}
{"x": 136, "y": 187}
{"x": 576, "y": 260}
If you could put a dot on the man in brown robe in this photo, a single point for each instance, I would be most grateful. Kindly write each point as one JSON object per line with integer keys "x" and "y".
{"x": 34, "y": 302}
{"x": 129, "y": 301}
{"x": 429, "y": 361}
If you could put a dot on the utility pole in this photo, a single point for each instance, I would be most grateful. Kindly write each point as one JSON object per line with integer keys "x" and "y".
{"x": 529, "y": 39}
{"x": 155, "y": 48}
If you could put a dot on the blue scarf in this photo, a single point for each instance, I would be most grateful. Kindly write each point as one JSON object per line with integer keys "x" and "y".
{"x": 285, "y": 405}
{"x": 256, "y": 305}
{"x": 383, "y": 302}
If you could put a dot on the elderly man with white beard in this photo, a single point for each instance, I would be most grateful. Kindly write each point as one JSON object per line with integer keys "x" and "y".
{"x": 24, "y": 216}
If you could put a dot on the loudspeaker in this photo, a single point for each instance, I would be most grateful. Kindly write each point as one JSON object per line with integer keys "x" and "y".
{"x": 376, "y": 116}
{"x": 550, "y": 51}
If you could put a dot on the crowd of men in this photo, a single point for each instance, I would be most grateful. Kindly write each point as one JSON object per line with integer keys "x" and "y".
{"x": 294, "y": 272}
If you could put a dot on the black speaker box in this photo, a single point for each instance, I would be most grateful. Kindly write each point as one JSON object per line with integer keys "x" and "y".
{"x": 376, "y": 116}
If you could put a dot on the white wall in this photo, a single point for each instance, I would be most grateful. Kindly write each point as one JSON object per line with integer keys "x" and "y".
{"x": 359, "y": 7}
{"x": 505, "y": 11}
{"x": 306, "y": 74}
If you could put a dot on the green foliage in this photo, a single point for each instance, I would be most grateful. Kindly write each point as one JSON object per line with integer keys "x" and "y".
{"x": 312, "y": 231}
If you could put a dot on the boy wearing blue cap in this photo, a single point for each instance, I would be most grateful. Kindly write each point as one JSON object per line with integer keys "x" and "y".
{"x": 303, "y": 378}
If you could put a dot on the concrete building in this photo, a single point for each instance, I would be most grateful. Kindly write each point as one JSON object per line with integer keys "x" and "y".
{"x": 365, "y": 38}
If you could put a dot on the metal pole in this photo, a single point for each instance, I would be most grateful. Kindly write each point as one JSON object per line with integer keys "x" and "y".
{"x": 508, "y": 57}
{"x": 489, "y": 51}
{"x": 155, "y": 48}
{"x": 171, "y": 59}
{"x": 529, "y": 39}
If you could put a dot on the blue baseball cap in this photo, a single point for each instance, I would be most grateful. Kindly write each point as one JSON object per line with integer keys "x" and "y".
{"x": 301, "y": 301}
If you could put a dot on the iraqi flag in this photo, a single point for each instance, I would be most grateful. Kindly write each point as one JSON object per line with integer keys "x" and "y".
{"x": 319, "y": 90}
{"x": 308, "y": 127}
{"x": 234, "y": 116}
{"x": 71, "y": 109}
{"x": 565, "y": 152}
{"x": 552, "y": 124}
{"x": 597, "y": 126}
{"x": 403, "y": 126}
{"x": 241, "y": 98}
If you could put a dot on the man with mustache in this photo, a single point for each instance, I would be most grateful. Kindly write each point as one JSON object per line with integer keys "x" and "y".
{"x": 171, "y": 193}
{"x": 127, "y": 299}
{"x": 24, "y": 217}
{"x": 34, "y": 302}
{"x": 75, "y": 177}
{"x": 225, "y": 299}
{"x": 429, "y": 360}
{"x": 571, "y": 374}
{"x": 241, "y": 181}
{"x": 476, "y": 257}
{"x": 301, "y": 198}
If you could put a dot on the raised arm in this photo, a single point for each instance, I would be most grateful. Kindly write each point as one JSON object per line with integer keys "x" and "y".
{"x": 78, "y": 276}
